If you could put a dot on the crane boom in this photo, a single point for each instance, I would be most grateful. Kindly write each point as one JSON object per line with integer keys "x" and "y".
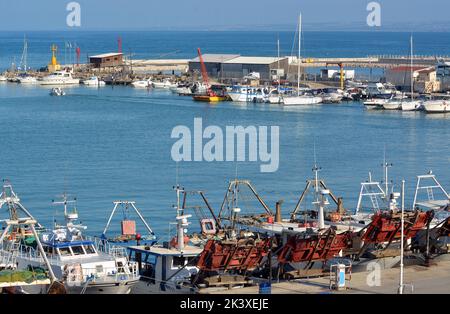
{"x": 204, "y": 72}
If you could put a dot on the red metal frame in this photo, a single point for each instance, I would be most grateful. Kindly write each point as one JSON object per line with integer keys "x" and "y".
{"x": 385, "y": 227}
{"x": 316, "y": 248}
{"x": 230, "y": 255}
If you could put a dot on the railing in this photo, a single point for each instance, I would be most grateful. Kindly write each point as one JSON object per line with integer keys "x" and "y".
{"x": 87, "y": 275}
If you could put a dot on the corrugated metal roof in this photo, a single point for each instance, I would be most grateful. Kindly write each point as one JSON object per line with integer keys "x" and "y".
{"x": 253, "y": 60}
{"x": 407, "y": 68}
{"x": 106, "y": 55}
{"x": 215, "y": 58}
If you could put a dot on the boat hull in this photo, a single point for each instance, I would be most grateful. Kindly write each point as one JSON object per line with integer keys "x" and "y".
{"x": 93, "y": 288}
{"x": 410, "y": 106}
{"x": 206, "y": 98}
{"x": 301, "y": 100}
{"x": 392, "y": 106}
{"x": 436, "y": 106}
{"x": 58, "y": 83}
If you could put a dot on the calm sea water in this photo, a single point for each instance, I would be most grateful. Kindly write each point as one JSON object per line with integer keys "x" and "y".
{"x": 114, "y": 143}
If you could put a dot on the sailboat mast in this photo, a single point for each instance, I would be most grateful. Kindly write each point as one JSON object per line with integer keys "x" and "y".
{"x": 299, "y": 50}
{"x": 278, "y": 61}
{"x": 412, "y": 70}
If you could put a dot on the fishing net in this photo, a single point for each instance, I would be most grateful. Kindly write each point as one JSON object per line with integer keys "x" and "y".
{"x": 27, "y": 276}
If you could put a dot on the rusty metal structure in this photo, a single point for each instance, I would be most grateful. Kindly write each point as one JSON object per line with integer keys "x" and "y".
{"x": 385, "y": 228}
{"x": 317, "y": 247}
{"x": 239, "y": 255}
{"x": 230, "y": 212}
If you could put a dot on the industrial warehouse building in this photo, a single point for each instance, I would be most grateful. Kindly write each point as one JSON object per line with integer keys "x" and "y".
{"x": 229, "y": 66}
{"x": 106, "y": 60}
{"x": 425, "y": 79}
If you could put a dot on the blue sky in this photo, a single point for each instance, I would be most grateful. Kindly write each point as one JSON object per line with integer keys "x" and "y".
{"x": 406, "y": 15}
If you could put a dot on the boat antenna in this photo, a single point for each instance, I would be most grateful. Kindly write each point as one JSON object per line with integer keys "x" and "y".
{"x": 412, "y": 69}
{"x": 176, "y": 174}
{"x": 386, "y": 166}
{"x": 299, "y": 52}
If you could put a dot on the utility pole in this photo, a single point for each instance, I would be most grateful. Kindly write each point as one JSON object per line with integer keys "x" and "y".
{"x": 401, "y": 285}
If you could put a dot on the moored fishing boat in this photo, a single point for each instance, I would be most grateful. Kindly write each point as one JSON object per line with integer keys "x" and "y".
{"x": 211, "y": 95}
{"x": 62, "y": 77}
{"x": 142, "y": 84}
{"x": 27, "y": 79}
{"x": 436, "y": 106}
{"x": 249, "y": 94}
{"x": 376, "y": 103}
{"x": 93, "y": 81}
{"x": 412, "y": 105}
{"x": 83, "y": 265}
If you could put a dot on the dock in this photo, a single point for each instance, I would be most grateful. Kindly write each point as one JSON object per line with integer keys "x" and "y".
{"x": 418, "y": 279}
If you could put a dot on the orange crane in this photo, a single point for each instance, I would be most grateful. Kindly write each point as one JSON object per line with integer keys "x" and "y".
{"x": 210, "y": 96}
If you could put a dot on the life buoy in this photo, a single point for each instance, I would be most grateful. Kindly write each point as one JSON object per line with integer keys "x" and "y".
{"x": 208, "y": 226}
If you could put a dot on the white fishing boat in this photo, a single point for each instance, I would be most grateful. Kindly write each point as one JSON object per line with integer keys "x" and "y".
{"x": 411, "y": 105}
{"x": 142, "y": 84}
{"x": 375, "y": 103}
{"x": 62, "y": 77}
{"x": 3, "y": 78}
{"x": 436, "y": 106}
{"x": 274, "y": 97}
{"x": 392, "y": 105}
{"x": 249, "y": 94}
{"x": 331, "y": 95}
{"x": 165, "y": 84}
{"x": 27, "y": 79}
{"x": 93, "y": 81}
{"x": 83, "y": 265}
{"x": 181, "y": 88}
{"x": 300, "y": 99}
{"x": 380, "y": 90}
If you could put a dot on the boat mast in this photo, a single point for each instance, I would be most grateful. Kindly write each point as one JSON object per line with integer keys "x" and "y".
{"x": 299, "y": 50}
{"x": 412, "y": 71}
{"x": 278, "y": 61}
{"x": 23, "y": 61}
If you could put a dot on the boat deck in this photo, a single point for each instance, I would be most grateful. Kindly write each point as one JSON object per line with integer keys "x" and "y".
{"x": 159, "y": 250}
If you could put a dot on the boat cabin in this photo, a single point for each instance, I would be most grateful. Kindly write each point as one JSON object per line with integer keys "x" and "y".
{"x": 72, "y": 249}
{"x": 165, "y": 266}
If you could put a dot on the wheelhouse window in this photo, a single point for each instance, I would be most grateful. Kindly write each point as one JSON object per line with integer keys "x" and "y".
{"x": 89, "y": 249}
{"x": 48, "y": 250}
{"x": 64, "y": 251}
{"x": 77, "y": 250}
{"x": 178, "y": 261}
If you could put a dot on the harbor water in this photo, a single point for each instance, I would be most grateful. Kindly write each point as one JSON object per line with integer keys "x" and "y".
{"x": 114, "y": 143}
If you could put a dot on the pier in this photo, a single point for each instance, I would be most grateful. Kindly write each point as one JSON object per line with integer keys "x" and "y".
{"x": 431, "y": 280}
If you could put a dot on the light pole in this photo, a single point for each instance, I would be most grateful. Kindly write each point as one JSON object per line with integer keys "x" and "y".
{"x": 400, "y": 288}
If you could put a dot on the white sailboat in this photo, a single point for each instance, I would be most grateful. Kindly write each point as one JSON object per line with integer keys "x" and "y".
{"x": 25, "y": 78}
{"x": 300, "y": 99}
{"x": 412, "y": 104}
{"x": 405, "y": 104}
